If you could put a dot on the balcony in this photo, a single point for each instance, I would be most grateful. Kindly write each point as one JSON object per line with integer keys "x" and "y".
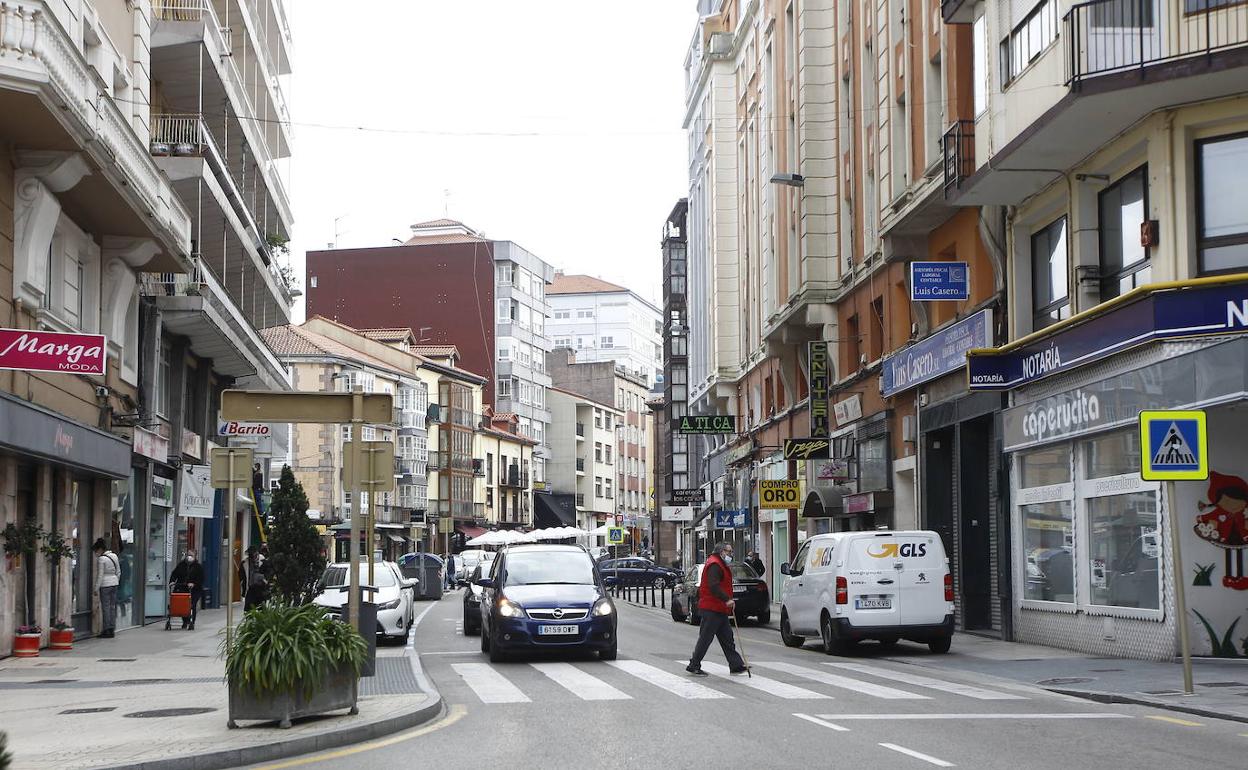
{"x": 580, "y": 431}
{"x": 958, "y": 146}
{"x": 580, "y": 466}
{"x": 437, "y": 462}
{"x": 514, "y": 477}
{"x": 1113, "y": 63}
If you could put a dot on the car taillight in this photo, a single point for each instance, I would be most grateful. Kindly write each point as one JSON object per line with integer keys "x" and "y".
{"x": 761, "y": 587}
{"x": 948, "y": 587}
{"x": 842, "y": 591}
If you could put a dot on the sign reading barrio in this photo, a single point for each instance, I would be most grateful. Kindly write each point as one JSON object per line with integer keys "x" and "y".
{"x": 778, "y": 494}
{"x": 39, "y": 351}
{"x": 236, "y": 428}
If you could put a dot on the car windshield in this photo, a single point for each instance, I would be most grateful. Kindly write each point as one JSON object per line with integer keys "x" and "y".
{"x": 740, "y": 571}
{"x": 336, "y": 575}
{"x": 549, "y": 568}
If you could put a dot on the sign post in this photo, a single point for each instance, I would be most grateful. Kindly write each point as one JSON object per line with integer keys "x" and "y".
{"x": 375, "y": 475}
{"x": 231, "y": 468}
{"x": 1174, "y": 446}
{"x": 615, "y": 535}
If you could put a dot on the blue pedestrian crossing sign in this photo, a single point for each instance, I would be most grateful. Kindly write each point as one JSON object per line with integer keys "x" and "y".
{"x": 615, "y": 535}
{"x": 1174, "y": 446}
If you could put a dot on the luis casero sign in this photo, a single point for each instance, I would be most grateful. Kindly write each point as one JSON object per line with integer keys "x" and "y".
{"x": 931, "y": 281}
{"x": 38, "y": 351}
{"x": 705, "y": 424}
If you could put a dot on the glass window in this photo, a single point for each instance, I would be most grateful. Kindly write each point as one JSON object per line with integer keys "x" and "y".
{"x": 1049, "y": 279}
{"x": 1122, "y": 209}
{"x": 873, "y": 464}
{"x": 548, "y": 567}
{"x": 1124, "y": 548}
{"x": 1113, "y": 454}
{"x": 979, "y": 39}
{"x": 1048, "y": 542}
{"x": 1042, "y": 467}
{"x": 1223, "y": 236}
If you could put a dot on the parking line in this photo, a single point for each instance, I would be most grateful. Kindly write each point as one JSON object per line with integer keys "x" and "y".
{"x": 956, "y": 688}
{"x": 912, "y": 753}
{"x": 822, "y": 723}
{"x": 489, "y": 685}
{"x": 1175, "y": 721}
{"x": 1021, "y": 717}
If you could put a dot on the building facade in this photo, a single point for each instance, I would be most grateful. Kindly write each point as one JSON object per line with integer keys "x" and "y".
{"x": 605, "y": 322}
{"x": 585, "y": 456}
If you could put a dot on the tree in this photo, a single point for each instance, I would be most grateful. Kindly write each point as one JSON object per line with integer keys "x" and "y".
{"x": 5, "y": 757}
{"x": 296, "y": 559}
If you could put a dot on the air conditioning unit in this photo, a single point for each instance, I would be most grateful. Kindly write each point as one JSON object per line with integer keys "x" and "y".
{"x": 720, "y": 44}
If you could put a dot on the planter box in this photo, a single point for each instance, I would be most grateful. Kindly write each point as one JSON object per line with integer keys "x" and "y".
{"x": 338, "y": 690}
{"x": 26, "y": 645}
{"x": 61, "y": 640}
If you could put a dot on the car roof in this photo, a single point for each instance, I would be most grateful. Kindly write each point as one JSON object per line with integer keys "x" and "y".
{"x": 545, "y": 548}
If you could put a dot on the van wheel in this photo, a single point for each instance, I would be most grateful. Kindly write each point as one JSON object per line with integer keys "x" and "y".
{"x": 940, "y": 646}
{"x": 832, "y": 645}
{"x": 786, "y": 634}
{"x": 887, "y": 644}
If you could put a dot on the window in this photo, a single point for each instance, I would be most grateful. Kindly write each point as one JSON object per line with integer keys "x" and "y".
{"x": 1124, "y": 548}
{"x": 562, "y": 314}
{"x": 873, "y": 464}
{"x": 504, "y": 273}
{"x": 1049, "y": 276}
{"x": 979, "y": 38}
{"x": 597, "y": 451}
{"x": 606, "y": 454}
{"x": 1122, "y": 208}
{"x": 1044, "y": 467}
{"x": 1028, "y": 40}
{"x": 164, "y": 379}
{"x": 608, "y": 342}
{"x": 619, "y": 398}
{"x": 1049, "y": 542}
{"x": 585, "y": 313}
{"x": 597, "y": 419}
{"x": 504, "y": 311}
{"x": 504, "y": 387}
{"x": 1222, "y": 238}
{"x": 597, "y": 486}
{"x": 606, "y": 420}
{"x": 504, "y": 352}
{"x": 563, "y": 342}
{"x": 606, "y": 485}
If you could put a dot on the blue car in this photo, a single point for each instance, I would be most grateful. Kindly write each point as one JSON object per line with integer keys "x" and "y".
{"x": 546, "y": 597}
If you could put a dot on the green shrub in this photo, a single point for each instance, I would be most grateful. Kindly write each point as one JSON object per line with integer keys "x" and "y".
{"x": 295, "y": 562}
{"x": 281, "y": 648}
{"x": 6, "y": 758}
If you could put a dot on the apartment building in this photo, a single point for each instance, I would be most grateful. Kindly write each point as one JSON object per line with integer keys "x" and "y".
{"x": 602, "y": 321}
{"x": 488, "y": 301}
{"x": 507, "y": 479}
{"x": 583, "y": 436}
{"x": 100, "y": 240}
{"x": 672, "y": 468}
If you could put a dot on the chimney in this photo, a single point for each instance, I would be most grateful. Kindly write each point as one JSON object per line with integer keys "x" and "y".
{"x": 558, "y": 273}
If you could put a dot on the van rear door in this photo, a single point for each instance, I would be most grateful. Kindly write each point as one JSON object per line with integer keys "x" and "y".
{"x": 922, "y": 576}
{"x": 872, "y": 572}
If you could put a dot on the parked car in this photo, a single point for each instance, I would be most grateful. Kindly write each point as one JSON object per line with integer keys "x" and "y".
{"x": 636, "y": 571}
{"x": 472, "y": 603}
{"x": 395, "y": 596}
{"x": 466, "y": 561}
{"x": 749, "y": 590}
{"x": 546, "y": 597}
{"x": 849, "y": 586}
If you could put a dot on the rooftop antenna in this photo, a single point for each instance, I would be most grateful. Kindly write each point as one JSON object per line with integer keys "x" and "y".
{"x": 338, "y": 232}
{"x": 446, "y": 204}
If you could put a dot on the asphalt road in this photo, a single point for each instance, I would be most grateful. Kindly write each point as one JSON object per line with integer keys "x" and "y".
{"x": 801, "y": 709}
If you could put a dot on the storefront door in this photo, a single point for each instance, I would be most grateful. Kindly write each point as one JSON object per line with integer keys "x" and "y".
{"x": 82, "y": 563}
{"x": 975, "y": 513}
{"x": 161, "y": 534}
{"x": 122, "y": 539}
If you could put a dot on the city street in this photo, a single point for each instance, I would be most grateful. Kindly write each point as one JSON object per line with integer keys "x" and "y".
{"x": 801, "y": 708}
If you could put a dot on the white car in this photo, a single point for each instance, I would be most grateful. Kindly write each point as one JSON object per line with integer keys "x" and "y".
{"x": 848, "y": 586}
{"x": 467, "y": 561}
{"x": 395, "y": 596}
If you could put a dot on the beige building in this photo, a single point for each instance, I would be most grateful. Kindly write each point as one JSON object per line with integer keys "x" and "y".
{"x": 583, "y": 439}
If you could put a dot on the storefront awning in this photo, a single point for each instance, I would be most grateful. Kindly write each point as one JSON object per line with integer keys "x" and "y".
{"x": 396, "y": 538}
{"x": 470, "y": 531}
{"x": 822, "y": 502}
{"x": 554, "y": 511}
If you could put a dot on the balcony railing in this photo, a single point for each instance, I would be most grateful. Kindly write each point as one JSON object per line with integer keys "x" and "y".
{"x": 580, "y": 464}
{"x": 192, "y": 10}
{"x": 170, "y": 284}
{"x": 958, "y": 145}
{"x": 514, "y": 477}
{"x": 1106, "y": 36}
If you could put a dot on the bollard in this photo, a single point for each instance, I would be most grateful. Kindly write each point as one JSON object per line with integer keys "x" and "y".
{"x": 663, "y": 599}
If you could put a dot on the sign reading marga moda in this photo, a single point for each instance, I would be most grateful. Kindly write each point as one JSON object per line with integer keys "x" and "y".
{"x": 39, "y": 351}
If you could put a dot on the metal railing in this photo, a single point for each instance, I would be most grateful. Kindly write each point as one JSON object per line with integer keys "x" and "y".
{"x": 958, "y": 146}
{"x": 1106, "y": 36}
{"x": 171, "y": 284}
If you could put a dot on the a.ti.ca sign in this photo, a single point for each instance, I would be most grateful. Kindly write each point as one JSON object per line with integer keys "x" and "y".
{"x": 1175, "y": 446}
{"x": 778, "y": 494}
{"x": 705, "y": 424}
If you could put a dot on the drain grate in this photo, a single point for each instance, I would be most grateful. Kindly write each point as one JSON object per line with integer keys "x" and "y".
{"x": 118, "y": 660}
{"x": 1223, "y": 684}
{"x": 393, "y": 677}
{"x": 100, "y": 710}
{"x": 142, "y": 681}
{"x": 1066, "y": 680}
{"x": 1106, "y": 670}
{"x": 162, "y": 713}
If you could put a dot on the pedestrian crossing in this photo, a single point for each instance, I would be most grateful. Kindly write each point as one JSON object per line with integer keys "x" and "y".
{"x": 627, "y": 679}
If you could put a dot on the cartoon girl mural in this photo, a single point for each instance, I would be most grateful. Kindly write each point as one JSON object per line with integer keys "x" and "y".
{"x": 1222, "y": 522}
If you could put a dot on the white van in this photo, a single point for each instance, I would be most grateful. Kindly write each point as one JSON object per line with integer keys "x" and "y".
{"x": 848, "y": 586}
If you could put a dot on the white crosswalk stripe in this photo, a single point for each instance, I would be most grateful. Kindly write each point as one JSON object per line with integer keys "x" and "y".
{"x": 673, "y": 683}
{"x": 489, "y": 685}
{"x": 845, "y": 683}
{"x": 956, "y": 688}
{"x": 763, "y": 684}
{"x": 579, "y": 683}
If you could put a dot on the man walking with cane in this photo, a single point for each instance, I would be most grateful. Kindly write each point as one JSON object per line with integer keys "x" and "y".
{"x": 716, "y": 605}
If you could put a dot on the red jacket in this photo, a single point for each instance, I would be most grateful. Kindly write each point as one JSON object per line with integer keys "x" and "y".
{"x": 709, "y": 598}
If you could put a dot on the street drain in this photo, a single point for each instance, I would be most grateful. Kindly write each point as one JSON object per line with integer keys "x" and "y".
{"x": 53, "y": 681}
{"x": 118, "y": 660}
{"x": 161, "y": 713}
{"x": 1105, "y": 670}
{"x": 100, "y": 710}
{"x": 1223, "y": 684}
{"x": 142, "y": 681}
{"x": 1066, "y": 680}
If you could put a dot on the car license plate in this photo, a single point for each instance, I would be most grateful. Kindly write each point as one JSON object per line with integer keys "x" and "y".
{"x": 873, "y": 603}
{"x": 556, "y": 630}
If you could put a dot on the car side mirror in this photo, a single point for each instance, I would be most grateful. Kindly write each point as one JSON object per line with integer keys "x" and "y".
{"x": 485, "y": 582}
{"x": 410, "y": 583}
{"x": 610, "y": 581}
{"x": 784, "y": 569}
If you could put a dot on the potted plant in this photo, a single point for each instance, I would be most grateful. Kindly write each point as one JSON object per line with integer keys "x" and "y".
{"x": 289, "y": 661}
{"x": 56, "y": 548}
{"x": 6, "y": 758}
{"x": 62, "y": 636}
{"x": 20, "y": 540}
{"x": 26, "y": 641}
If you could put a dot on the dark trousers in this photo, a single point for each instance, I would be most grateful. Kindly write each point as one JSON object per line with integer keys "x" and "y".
{"x": 197, "y": 596}
{"x": 255, "y": 596}
{"x": 715, "y": 625}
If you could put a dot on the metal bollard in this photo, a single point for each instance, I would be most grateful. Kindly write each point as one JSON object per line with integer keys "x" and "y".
{"x": 663, "y": 598}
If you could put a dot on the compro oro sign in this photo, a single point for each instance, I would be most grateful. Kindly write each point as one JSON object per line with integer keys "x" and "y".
{"x": 52, "y": 351}
{"x": 779, "y": 495}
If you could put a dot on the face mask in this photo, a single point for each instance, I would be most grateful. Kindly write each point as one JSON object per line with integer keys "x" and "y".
{"x": 727, "y": 557}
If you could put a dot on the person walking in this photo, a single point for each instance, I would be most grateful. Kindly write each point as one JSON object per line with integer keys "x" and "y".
{"x": 107, "y": 576}
{"x": 450, "y": 571}
{"x": 716, "y": 605}
{"x": 189, "y": 576}
{"x": 257, "y": 584}
{"x": 755, "y": 563}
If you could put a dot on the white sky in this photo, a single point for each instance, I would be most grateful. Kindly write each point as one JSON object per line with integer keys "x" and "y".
{"x": 597, "y": 83}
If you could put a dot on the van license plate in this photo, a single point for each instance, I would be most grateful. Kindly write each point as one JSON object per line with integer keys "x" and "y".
{"x": 873, "y": 603}
{"x": 556, "y": 630}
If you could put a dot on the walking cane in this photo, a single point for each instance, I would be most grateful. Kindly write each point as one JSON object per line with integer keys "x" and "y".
{"x": 732, "y": 617}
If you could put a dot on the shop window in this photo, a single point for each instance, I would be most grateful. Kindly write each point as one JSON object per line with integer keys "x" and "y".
{"x": 1113, "y": 454}
{"x": 1049, "y": 276}
{"x": 1049, "y": 544}
{"x": 1043, "y": 467}
{"x": 1222, "y": 238}
{"x": 1124, "y": 549}
{"x": 1122, "y": 208}
{"x": 873, "y": 464}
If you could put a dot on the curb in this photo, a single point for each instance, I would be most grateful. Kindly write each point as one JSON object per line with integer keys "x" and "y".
{"x": 1113, "y": 697}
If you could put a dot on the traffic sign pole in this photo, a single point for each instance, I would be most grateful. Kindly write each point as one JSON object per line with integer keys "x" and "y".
{"x": 1180, "y": 591}
{"x": 353, "y": 559}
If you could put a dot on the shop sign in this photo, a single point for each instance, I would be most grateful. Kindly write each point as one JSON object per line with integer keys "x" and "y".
{"x": 39, "y": 351}
{"x": 860, "y": 503}
{"x": 705, "y": 424}
{"x": 848, "y": 410}
{"x": 807, "y": 448}
{"x": 192, "y": 444}
{"x": 1190, "y": 311}
{"x": 936, "y": 355}
{"x": 162, "y": 492}
{"x": 170, "y": 535}
{"x": 778, "y": 494}
{"x": 932, "y": 281}
{"x": 676, "y": 513}
{"x": 197, "y": 494}
{"x": 151, "y": 445}
{"x": 732, "y": 519}
{"x": 234, "y": 428}
{"x": 817, "y": 385}
{"x": 829, "y": 472}
{"x": 684, "y": 496}
{"x": 738, "y": 453}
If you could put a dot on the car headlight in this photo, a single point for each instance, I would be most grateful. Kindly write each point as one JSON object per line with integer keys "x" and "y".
{"x": 603, "y": 607}
{"x": 388, "y": 605}
{"x": 509, "y": 609}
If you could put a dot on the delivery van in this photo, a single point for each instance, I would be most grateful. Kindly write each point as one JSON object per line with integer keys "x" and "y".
{"x": 847, "y": 586}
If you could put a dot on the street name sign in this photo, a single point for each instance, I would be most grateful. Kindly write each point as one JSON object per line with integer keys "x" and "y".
{"x": 1175, "y": 446}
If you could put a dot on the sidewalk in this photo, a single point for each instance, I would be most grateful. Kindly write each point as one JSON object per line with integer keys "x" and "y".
{"x": 104, "y": 704}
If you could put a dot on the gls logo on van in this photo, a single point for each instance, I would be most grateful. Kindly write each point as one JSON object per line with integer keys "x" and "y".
{"x": 904, "y": 550}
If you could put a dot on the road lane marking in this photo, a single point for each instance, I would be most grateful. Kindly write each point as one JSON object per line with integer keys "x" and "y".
{"x": 822, "y": 723}
{"x": 579, "y": 683}
{"x": 923, "y": 681}
{"x": 763, "y": 684}
{"x": 489, "y": 685}
{"x": 1175, "y": 721}
{"x": 1023, "y": 717}
{"x": 845, "y": 683}
{"x": 917, "y": 755}
{"x": 453, "y": 652}
{"x": 453, "y": 715}
{"x": 677, "y": 685}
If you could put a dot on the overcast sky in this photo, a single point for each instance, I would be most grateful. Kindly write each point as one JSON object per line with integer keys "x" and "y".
{"x": 551, "y": 123}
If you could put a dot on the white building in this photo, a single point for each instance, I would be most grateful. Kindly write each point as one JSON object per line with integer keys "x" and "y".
{"x": 605, "y": 322}
{"x": 584, "y": 464}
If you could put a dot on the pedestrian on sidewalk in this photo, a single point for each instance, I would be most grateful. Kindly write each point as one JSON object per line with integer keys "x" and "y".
{"x": 189, "y": 576}
{"x": 716, "y": 605}
{"x": 450, "y": 571}
{"x": 107, "y": 576}
{"x": 755, "y": 563}
{"x": 257, "y": 583}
